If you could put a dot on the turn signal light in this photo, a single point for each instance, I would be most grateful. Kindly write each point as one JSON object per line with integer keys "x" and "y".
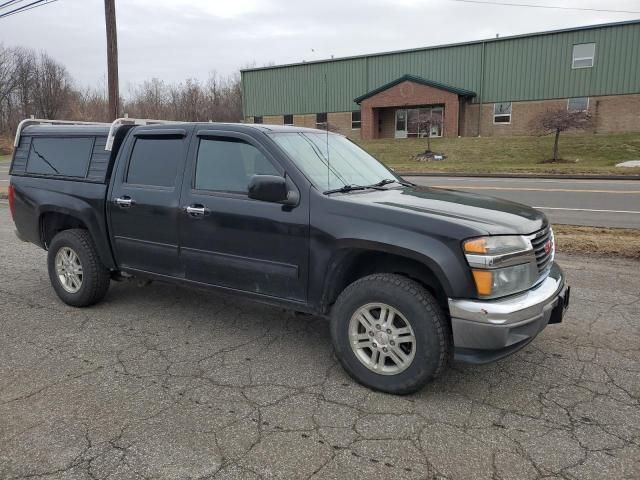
{"x": 478, "y": 245}
{"x": 484, "y": 281}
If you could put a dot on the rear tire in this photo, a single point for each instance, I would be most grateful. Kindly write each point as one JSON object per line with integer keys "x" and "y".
{"x": 390, "y": 334}
{"x": 77, "y": 275}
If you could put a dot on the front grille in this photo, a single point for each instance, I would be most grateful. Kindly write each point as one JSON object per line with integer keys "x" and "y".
{"x": 543, "y": 258}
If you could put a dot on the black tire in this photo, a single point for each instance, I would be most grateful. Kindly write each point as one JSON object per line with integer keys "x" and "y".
{"x": 433, "y": 338}
{"x": 95, "y": 276}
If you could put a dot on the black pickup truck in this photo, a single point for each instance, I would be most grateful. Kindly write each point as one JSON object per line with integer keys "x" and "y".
{"x": 410, "y": 277}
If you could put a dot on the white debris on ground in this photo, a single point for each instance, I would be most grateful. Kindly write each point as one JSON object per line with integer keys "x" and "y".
{"x": 629, "y": 163}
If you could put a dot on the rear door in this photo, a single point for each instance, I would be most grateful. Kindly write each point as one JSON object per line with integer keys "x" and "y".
{"x": 230, "y": 240}
{"x": 144, "y": 201}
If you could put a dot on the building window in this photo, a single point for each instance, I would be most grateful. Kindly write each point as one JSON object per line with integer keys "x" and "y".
{"x": 578, "y": 104}
{"x": 257, "y": 119}
{"x": 321, "y": 120}
{"x": 583, "y": 55}
{"x": 355, "y": 120}
{"x": 288, "y": 119}
{"x": 502, "y": 112}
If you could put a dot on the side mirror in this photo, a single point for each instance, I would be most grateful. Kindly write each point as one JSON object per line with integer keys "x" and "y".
{"x": 268, "y": 188}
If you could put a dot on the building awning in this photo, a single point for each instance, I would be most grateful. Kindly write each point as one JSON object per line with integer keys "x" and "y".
{"x": 415, "y": 79}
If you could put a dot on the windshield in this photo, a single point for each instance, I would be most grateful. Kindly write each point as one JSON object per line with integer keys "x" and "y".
{"x": 348, "y": 163}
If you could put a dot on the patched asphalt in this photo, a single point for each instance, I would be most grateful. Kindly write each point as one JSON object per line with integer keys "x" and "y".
{"x": 168, "y": 382}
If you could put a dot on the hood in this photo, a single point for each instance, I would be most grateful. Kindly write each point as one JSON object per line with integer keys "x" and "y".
{"x": 487, "y": 215}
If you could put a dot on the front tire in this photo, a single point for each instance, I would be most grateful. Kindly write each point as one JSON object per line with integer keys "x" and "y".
{"x": 390, "y": 334}
{"x": 76, "y": 273}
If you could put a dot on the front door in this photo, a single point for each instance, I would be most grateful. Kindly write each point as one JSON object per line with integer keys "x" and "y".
{"x": 144, "y": 203}
{"x": 401, "y": 123}
{"x": 230, "y": 240}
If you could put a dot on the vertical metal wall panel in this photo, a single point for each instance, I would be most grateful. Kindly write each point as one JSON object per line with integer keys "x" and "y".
{"x": 532, "y": 67}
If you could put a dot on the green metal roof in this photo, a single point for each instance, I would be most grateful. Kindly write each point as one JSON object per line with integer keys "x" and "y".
{"x": 412, "y": 78}
{"x": 445, "y": 45}
{"x": 524, "y": 67}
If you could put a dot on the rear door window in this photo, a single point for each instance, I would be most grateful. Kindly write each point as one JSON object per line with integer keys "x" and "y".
{"x": 67, "y": 157}
{"x": 154, "y": 161}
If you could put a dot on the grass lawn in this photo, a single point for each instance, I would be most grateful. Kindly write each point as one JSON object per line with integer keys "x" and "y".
{"x": 603, "y": 241}
{"x": 595, "y": 154}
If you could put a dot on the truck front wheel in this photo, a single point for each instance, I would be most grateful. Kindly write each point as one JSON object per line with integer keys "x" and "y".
{"x": 390, "y": 334}
{"x": 77, "y": 275}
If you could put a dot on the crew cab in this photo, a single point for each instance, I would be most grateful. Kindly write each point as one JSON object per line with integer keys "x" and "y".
{"x": 410, "y": 277}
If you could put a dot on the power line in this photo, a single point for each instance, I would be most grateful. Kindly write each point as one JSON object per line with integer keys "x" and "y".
{"x": 6, "y": 4}
{"x": 529, "y": 5}
{"x": 29, "y": 6}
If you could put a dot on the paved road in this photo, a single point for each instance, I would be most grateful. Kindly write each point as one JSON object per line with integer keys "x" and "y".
{"x": 605, "y": 203}
{"x": 164, "y": 382}
{"x": 4, "y": 174}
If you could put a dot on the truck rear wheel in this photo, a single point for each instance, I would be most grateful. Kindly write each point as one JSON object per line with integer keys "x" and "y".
{"x": 390, "y": 334}
{"x": 77, "y": 275}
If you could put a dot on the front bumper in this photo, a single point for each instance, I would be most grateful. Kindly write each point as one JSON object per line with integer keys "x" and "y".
{"x": 484, "y": 331}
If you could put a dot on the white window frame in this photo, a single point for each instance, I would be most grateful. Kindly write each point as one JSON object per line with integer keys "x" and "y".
{"x": 502, "y": 114}
{"x": 585, "y": 109}
{"x": 357, "y": 121}
{"x": 574, "y": 58}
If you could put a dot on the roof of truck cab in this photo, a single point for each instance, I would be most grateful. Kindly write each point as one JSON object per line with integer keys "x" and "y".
{"x": 266, "y": 128}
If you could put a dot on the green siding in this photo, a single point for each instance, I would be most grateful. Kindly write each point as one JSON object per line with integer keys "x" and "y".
{"x": 531, "y": 67}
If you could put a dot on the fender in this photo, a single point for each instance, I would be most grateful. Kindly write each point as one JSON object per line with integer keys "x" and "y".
{"x": 85, "y": 206}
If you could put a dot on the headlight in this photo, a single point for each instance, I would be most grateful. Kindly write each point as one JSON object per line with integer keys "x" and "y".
{"x": 501, "y": 265}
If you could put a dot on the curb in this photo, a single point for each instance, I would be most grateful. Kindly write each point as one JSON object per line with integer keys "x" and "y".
{"x": 520, "y": 175}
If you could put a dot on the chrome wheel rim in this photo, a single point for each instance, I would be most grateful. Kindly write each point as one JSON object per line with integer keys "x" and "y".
{"x": 382, "y": 339}
{"x": 69, "y": 269}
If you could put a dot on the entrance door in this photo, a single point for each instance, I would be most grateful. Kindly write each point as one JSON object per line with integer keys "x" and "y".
{"x": 401, "y": 123}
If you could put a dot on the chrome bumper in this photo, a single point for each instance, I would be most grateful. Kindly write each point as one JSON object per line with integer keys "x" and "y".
{"x": 484, "y": 331}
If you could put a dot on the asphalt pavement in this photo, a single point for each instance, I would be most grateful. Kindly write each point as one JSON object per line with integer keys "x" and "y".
{"x": 600, "y": 203}
{"x": 176, "y": 383}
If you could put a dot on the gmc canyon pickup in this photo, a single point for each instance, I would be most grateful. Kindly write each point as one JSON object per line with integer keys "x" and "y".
{"x": 410, "y": 277}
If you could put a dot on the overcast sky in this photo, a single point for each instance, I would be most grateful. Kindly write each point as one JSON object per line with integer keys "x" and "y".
{"x": 178, "y": 39}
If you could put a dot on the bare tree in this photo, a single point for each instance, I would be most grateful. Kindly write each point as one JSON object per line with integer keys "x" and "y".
{"x": 426, "y": 123}
{"x": 52, "y": 88}
{"x": 32, "y": 84}
{"x": 25, "y": 72}
{"x": 561, "y": 120}
{"x": 7, "y": 84}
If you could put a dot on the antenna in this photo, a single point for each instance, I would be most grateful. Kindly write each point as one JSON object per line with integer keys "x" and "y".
{"x": 326, "y": 126}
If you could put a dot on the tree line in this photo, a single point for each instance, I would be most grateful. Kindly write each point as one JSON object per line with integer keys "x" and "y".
{"x": 34, "y": 83}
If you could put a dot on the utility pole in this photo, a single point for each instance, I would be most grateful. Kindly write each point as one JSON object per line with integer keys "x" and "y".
{"x": 112, "y": 58}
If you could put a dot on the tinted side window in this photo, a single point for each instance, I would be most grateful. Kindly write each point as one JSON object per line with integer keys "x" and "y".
{"x": 67, "y": 157}
{"x": 154, "y": 161}
{"x": 227, "y": 164}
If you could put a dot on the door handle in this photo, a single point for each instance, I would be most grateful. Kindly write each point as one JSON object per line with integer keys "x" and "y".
{"x": 124, "y": 202}
{"x": 197, "y": 210}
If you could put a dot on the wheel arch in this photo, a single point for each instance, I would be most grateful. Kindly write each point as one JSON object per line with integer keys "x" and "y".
{"x": 53, "y": 221}
{"x": 351, "y": 263}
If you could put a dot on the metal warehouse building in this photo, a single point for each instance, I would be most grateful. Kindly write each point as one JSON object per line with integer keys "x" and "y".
{"x": 486, "y": 87}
